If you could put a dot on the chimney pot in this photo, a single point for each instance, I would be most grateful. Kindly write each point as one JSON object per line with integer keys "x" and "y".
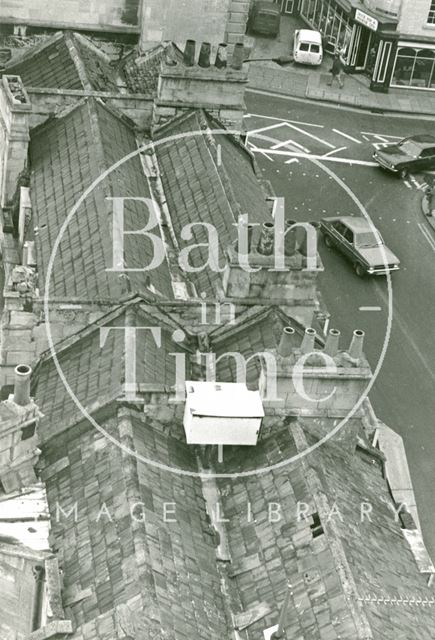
{"x": 189, "y": 53}
{"x": 22, "y": 385}
{"x": 250, "y": 229}
{"x": 266, "y": 241}
{"x": 290, "y": 241}
{"x": 221, "y": 56}
{"x": 332, "y": 342}
{"x": 238, "y": 53}
{"x": 356, "y": 345}
{"x": 285, "y": 347}
{"x": 308, "y": 340}
{"x": 204, "y": 55}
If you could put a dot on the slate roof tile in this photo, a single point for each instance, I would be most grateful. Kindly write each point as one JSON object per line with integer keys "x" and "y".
{"x": 67, "y": 154}
{"x": 199, "y": 189}
{"x": 141, "y": 70}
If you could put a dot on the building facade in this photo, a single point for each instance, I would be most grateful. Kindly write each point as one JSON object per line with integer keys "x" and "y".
{"x": 392, "y": 41}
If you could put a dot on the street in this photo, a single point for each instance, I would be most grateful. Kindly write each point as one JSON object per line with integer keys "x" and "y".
{"x": 343, "y": 141}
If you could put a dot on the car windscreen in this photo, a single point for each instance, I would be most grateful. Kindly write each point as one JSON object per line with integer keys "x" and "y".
{"x": 410, "y": 147}
{"x": 368, "y": 239}
{"x": 315, "y": 48}
{"x": 304, "y": 46}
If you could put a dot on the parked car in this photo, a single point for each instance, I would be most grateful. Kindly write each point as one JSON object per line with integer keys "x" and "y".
{"x": 410, "y": 154}
{"x": 361, "y": 243}
{"x": 265, "y": 18}
{"x": 307, "y": 47}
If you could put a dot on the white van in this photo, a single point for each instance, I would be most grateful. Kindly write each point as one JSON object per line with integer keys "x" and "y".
{"x": 307, "y": 47}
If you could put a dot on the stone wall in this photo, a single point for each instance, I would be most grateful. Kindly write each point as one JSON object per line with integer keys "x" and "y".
{"x": 413, "y": 18}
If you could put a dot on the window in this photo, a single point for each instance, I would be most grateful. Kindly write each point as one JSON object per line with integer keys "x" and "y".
{"x": 431, "y": 14}
{"x": 315, "y": 48}
{"x": 339, "y": 226}
{"x": 427, "y": 153}
{"x": 414, "y": 67}
{"x": 28, "y": 431}
{"x": 304, "y": 46}
{"x": 348, "y": 235}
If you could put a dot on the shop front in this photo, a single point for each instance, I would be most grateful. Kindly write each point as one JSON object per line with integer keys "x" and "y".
{"x": 414, "y": 66}
{"x": 359, "y": 35}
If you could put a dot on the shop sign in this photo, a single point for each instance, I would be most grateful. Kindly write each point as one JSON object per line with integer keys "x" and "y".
{"x": 366, "y": 20}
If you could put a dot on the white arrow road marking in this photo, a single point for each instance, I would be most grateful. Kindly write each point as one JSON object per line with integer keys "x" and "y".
{"x": 427, "y": 235}
{"x": 346, "y": 135}
{"x": 295, "y": 154}
{"x": 329, "y": 153}
{"x": 312, "y": 136}
{"x": 292, "y": 145}
{"x": 291, "y": 160}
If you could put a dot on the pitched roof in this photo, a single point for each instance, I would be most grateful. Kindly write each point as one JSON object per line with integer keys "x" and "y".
{"x": 93, "y": 363}
{"x": 67, "y": 154}
{"x": 207, "y": 178}
{"x": 64, "y": 61}
{"x": 141, "y": 71}
{"x": 125, "y": 568}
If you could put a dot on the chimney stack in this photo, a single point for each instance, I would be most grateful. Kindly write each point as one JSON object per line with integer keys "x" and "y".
{"x": 204, "y": 55}
{"x": 332, "y": 342}
{"x": 285, "y": 347}
{"x": 15, "y": 109}
{"x": 22, "y": 385}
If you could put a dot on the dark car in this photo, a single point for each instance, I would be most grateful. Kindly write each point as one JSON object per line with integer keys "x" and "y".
{"x": 410, "y": 154}
{"x": 265, "y": 18}
{"x": 361, "y": 243}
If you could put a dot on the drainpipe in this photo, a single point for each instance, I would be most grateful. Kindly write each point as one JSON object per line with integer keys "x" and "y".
{"x": 39, "y": 573}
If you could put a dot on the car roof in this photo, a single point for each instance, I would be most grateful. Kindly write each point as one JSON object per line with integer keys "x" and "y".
{"x": 356, "y": 223}
{"x": 309, "y": 35}
{"x": 424, "y": 139}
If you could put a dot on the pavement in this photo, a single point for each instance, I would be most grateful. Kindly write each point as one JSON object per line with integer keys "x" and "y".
{"x": 428, "y": 208}
{"x": 311, "y": 82}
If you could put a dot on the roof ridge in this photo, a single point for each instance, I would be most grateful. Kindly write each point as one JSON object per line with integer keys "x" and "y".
{"x": 344, "y": 571}
{"x": 77, "y": 61}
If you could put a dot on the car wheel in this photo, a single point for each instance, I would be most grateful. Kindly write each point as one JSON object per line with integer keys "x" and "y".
{"x": 359, "y": 270}
{"x": 404, "y": 173}
{"x": 328, "y": 241}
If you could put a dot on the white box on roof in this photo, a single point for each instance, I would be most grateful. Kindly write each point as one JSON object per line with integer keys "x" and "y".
{"x": 224, "y": 413}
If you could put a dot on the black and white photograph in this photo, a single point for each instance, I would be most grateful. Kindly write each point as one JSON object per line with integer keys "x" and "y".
{"x": 217, "y": 303}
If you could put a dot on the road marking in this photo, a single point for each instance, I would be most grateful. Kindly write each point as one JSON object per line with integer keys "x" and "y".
{"x": 427, "y": 235}
{"x": 346, "y": 135}
{"x": 296, "y": 154}
{"x": 380, "y": 136}
{"x": 290, "y": 143}
{"x": 311, "y": 135}
{"x": 329, "y": 153}
{"x": 291, "y": 160}
{"x": 407, "y": 184}
{"x": 370, "y": 308}
{"x": 263, "y": 152}
{"x": 283, "y": 120}
{"x": 261, "y": 129}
